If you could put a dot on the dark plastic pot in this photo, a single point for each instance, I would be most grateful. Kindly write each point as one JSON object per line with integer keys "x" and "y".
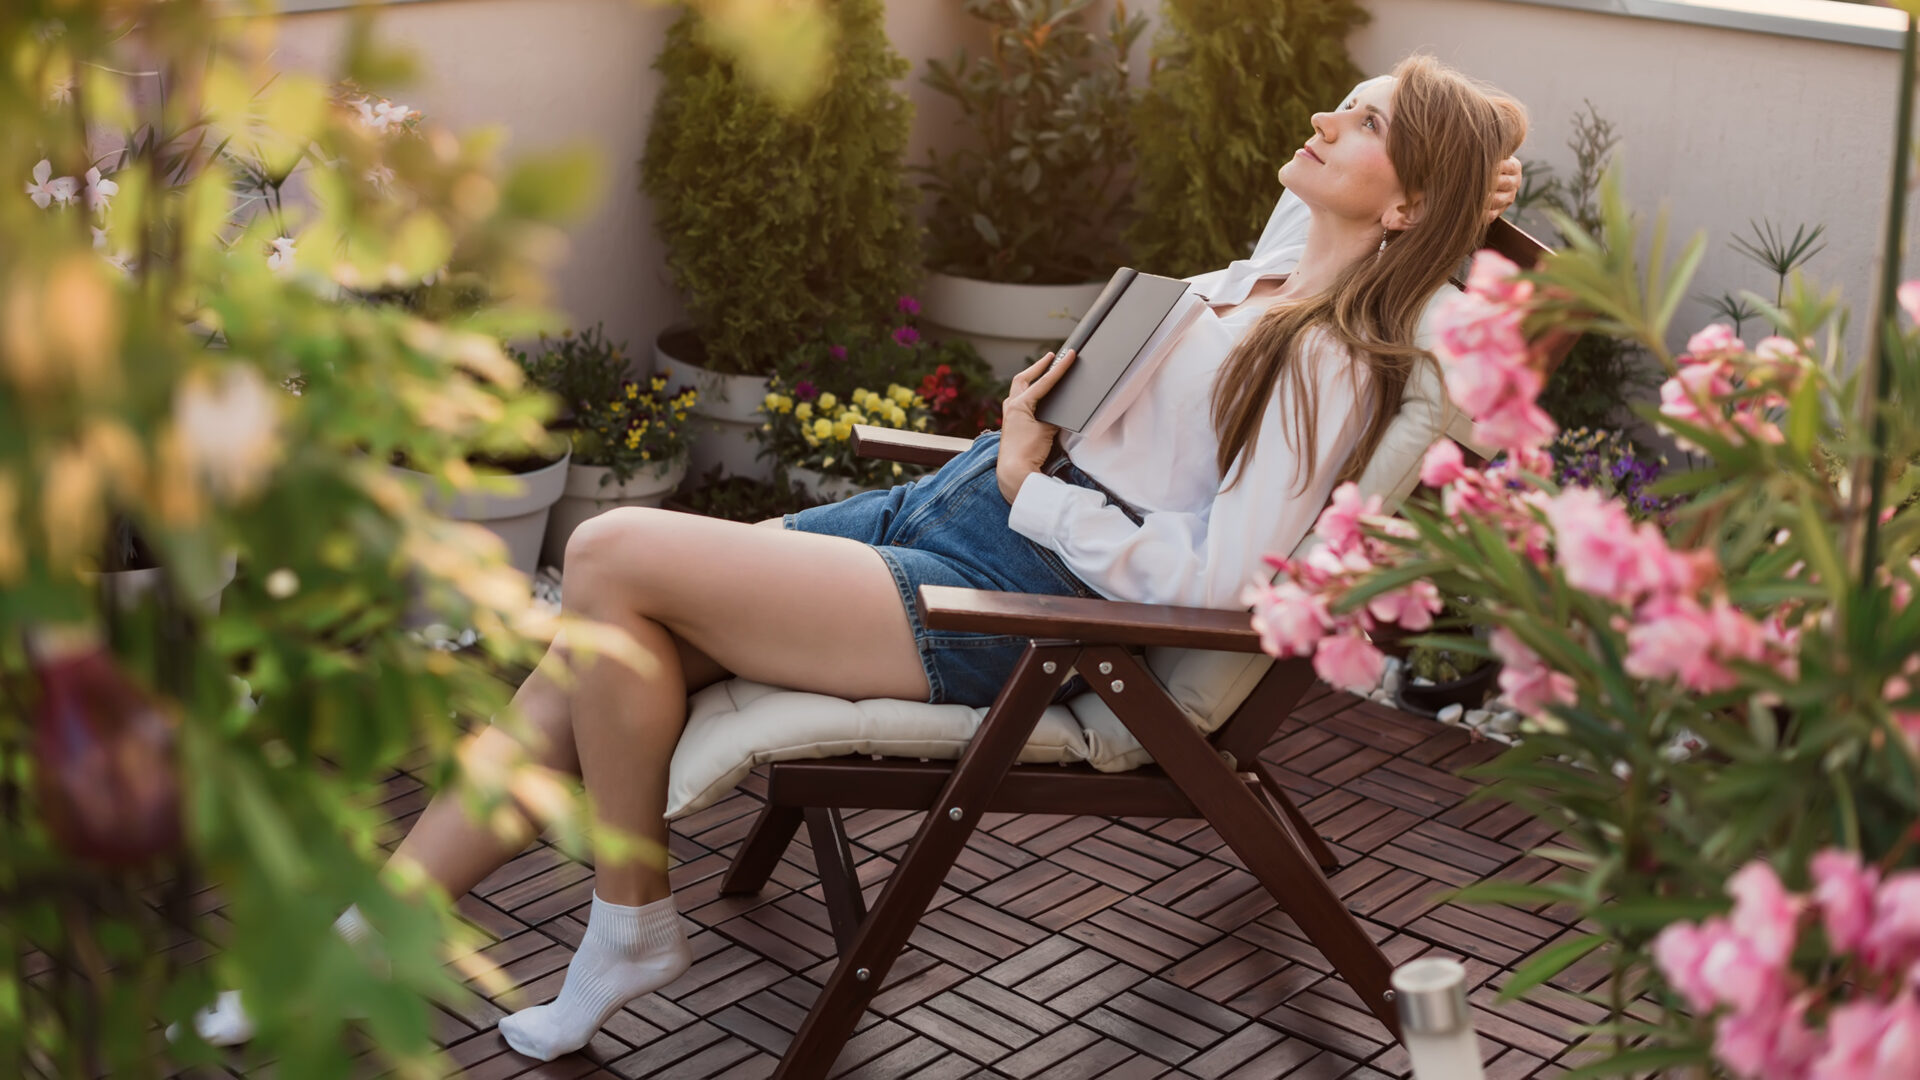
{"x": 1470, "y": 691}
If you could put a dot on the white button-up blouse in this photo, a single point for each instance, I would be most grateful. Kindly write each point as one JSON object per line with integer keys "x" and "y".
{"x": 1201, "y": 539}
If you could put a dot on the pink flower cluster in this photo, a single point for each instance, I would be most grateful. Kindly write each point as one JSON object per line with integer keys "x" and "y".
{"x": 1294, "y": 614}
{"x": 1742, "y": 964}
{"x": 1714, "y": 365}
{"x": 1477, "y": 339}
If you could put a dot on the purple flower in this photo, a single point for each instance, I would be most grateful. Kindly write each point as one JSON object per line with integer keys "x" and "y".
{"x": 838, "y": 352}
{"x": 806, "y": 391}
{"x": 909, "y": 305}
{"x": 906, "y": 335}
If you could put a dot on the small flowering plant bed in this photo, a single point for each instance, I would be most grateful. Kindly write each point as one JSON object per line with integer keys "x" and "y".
{"x": 891, "y": 378}
{"x": 615, "y": 422}
{"x": 1751, "y": 608}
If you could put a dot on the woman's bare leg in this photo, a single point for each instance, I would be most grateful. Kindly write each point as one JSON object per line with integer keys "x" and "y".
{"x": 456, "y": 851}
{"x": 733, "y": 593}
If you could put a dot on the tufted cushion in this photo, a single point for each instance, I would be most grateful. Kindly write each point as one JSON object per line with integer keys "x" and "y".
{"x": 736, "y": 725}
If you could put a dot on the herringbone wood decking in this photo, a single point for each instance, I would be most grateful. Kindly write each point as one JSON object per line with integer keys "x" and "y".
{"x": 1066, "y": 947}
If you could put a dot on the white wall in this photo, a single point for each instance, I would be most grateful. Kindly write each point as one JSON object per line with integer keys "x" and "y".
{"x": 1719, "y": 125}
{"x": 566, "y": 72}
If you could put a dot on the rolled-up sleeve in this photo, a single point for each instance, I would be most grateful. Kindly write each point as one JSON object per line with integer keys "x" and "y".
{"x": 1204, "y": 559}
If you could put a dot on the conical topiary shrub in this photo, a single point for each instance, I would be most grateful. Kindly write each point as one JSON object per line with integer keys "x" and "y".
{"x": 779, "y": 222}
{"x": 1230, "y": 94}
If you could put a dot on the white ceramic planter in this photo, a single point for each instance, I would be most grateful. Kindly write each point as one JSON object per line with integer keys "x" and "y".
{"x": 823, "y": 487}
{"x": 591, "y": 491}
{"x": 128, "y": 586}
{"x": 519, "y": 518}
{"x": 721, "y": 424}
{"x": 1007, "y": 323}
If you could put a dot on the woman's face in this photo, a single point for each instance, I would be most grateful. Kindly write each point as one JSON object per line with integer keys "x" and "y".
{"x": 1344, "y": 169}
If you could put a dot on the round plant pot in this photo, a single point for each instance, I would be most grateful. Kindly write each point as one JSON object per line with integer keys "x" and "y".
{"x": 823, "y": 487}
{"x": 591, "y": 491}
{"x": 519, "y": 517}
{"x": 128, "y": 586}
{"x": 1007, "y": 323}
{"x": 721, "y": 425}
{"x": 1470, "y": 691}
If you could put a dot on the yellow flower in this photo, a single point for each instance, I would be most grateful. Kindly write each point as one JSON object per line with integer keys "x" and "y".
{"x": 659, "y": 382}
{"x": 811, "y": 441}
{"x": 900, "y": 394}
{"x": 786, "y": 404}
{"x": 772, "y": 402}
{"x": 919, "y": 402}
{"x": 854, "y": 416}
{"x": 843, "y": 431}
{"x": 896, "y": 416}
{"x": 632, "y": 392}
{"x": 920, "y": 423}
{"x": 766, "y": 427}
{"x": 826, "y": 462}
{"x": 896, "y": 468}
{"x": 823, "y": 428}
{"x": 678, "y": 415}
{"x": 645, "y": 456}
{"x": 803, "y": 412}
{"x": 828, "y": 401}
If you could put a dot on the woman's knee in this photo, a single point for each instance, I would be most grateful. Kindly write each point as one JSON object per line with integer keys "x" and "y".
{"x": 611, "y": 549}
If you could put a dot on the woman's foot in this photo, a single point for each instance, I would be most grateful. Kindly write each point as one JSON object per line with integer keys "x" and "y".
{"x": 628, "y": 951}
{"x": 226, "y": 1021}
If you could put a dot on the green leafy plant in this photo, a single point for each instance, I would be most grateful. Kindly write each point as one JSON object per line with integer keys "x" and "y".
{"x": 1038, "y": 195}
{"x": 613, "y": 421}
{"x": 1231, "y": 89}
{"x": 1780, "y": 254}
{"x": 1596, "y": 380}
{"x": 742, "y": 498}
{"x": 779, "y": 223}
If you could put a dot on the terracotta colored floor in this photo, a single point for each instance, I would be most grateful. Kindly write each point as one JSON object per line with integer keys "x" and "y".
{"x": 1072, "y": 947}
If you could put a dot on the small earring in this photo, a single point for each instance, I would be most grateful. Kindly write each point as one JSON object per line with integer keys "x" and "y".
{"x": 1383, "y": 239}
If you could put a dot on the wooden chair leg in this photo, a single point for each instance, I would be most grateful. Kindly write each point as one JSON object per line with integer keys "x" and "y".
{"x": 1249, "y": 829}
{"x": 1315, "y": 844}
{"x": 761, "y": 852}
{"x": 838, "y": 878}
{"x": 949, "y": 823}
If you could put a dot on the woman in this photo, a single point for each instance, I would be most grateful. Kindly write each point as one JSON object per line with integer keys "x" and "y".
{"x": 1298, "y": 364}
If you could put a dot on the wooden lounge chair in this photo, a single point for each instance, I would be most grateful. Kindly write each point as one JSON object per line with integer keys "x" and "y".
{"x": 1182, "y": 703}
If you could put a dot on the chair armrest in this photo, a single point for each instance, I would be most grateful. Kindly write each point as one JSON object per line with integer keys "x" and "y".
{"x": 911, "y": 447}
{"x": 1095, "y": 622}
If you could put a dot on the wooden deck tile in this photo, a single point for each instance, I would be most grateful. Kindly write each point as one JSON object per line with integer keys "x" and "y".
{"x": 1063, "y": 947}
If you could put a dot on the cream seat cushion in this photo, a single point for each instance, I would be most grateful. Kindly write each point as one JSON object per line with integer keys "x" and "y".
{"x": 736, "y": 725}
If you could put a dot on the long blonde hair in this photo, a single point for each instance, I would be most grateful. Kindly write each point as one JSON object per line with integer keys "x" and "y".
{"x": 1448, "y": 137}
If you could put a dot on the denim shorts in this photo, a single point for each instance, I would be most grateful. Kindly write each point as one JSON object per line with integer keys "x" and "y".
{"x": 950, "y": 528}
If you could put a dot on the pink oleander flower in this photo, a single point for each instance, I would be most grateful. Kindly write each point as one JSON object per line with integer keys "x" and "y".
{"x": 1515, "y": 423}
{"x": 1442, "y": 465}
{"x": 1679, "y": 951}
{"x": 1411, "y": 608}
{"x": 1525, "y": 680}
{"x": 1772, "y": 1043}
{"x": 1289, "y": 619}
{"x": 1870, "y": 1040}
{"x": 1893, "y": 941}
{"x": 1712, "y": 343}
{"x": 1339, "y": 523}
{"x": 1764, "y": 913}
{"x": 1496, "y": 277}
{"x": 1596, "y": 545}
{"x": 1693, "y": 395}
{"x": 1350, "y": 662}
{"x": 1843, "y": 890}
{"x": 1909, "y": 297}
{"x": 1674, "y": 637}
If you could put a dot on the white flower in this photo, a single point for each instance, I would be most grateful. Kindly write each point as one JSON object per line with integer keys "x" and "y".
{"x": 99, "y": 190}
{"x": 62, "y": 93}
{"x": 281, "y": 260}
{"x": 119, "y": 260}
{"x": 381, "y": 116}
{"x": 45, "y": 190}
{"x": 282, "y": 583}
{"x": 381, "y": 178}
{"x": 229, "y": 427}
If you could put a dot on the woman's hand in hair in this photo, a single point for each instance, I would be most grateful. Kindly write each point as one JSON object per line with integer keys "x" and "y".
{"x": 1506, "y": 188}
{"x": 1025, "y": 440}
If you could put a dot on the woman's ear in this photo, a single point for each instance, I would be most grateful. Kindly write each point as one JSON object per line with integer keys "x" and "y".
{"x": 1404, "y": 215}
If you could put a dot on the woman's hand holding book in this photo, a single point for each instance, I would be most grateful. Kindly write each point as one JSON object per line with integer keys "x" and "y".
{"x": 1025, "y": 441}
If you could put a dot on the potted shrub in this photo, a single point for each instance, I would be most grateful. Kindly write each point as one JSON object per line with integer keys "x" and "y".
{"x": 628, "y": 446}
{"x": 893, "y": 377}
{"x": 1025, "y": 221}
{"x": 777, "y": 222}
{"x": 1205, "y": 180}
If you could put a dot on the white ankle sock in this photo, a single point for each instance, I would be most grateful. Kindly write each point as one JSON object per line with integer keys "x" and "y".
{"x": 226, "y": 1023}
{"x": 628, "y": 951}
